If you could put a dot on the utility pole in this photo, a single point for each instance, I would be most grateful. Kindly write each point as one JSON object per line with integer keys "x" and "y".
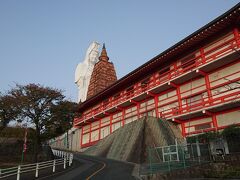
{"x": 67, "y": 140}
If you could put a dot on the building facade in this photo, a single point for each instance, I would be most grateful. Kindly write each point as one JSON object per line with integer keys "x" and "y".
{"x": 195, "y": 83}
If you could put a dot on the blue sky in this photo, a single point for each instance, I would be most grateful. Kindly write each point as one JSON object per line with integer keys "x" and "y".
{"x": 42, "y": 41}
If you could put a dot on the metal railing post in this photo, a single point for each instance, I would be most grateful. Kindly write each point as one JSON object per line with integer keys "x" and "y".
{"x": 183, "y": 154}
{"x": 177, "y": 149}
{"x": 192, "y": 152}
{"x": 150, "y": 159}
{"x": 54, "y": 163}
{"x": 72, "y": 159}
{"x": 64, "y": 163}
{"x": 169, "y": 167}
{"x": 18, "y": 172}
{"x": 69, "y": 160}
{"x": 36, "y": 174}
{"x": 198, "y": 151}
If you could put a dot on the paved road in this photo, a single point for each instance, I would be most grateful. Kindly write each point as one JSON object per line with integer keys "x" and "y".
{"x": 95, "y": 168}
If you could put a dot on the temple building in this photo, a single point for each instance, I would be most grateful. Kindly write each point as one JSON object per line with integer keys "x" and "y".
{"x": 195, "y": 83}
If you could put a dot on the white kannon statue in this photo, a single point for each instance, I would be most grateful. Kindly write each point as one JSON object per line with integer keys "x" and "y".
{"x": 84, "y": 70}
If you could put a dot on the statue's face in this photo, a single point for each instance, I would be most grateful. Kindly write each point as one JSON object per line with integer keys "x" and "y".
{"x": 96, "y": 45}
{"x": 92, "y": 53}
{"x": 93, "y": 56}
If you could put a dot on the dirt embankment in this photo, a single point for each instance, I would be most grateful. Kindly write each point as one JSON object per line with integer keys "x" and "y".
{"x": 130, "y": 142}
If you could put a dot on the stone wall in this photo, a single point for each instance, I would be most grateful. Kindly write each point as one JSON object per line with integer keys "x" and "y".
{"x": 130, "y": 142}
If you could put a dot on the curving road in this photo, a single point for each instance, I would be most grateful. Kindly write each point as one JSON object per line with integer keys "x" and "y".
{"x": 95, "y": 168}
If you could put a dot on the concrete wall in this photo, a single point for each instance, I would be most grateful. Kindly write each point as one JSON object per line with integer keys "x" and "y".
{"x": 228, "y": 118}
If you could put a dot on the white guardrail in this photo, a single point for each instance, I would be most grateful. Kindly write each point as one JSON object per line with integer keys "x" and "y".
{"x": 65, "y": 159}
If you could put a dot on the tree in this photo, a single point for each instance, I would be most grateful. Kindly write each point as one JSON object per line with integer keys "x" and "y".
{"x": 231, "y": 132}
{"x": 61, "y": 119}
{"x": 8, "y": 111}
{"x": 34, "y": 104}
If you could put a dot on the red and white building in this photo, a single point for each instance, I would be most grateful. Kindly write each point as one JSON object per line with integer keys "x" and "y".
{"x": 195, "y": 83}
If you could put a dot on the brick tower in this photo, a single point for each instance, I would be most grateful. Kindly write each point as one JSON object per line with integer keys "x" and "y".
{"x": 103, "y": 74}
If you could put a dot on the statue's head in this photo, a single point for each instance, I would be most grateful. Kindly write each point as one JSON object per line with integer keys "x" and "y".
{"x": 92, "y": 53}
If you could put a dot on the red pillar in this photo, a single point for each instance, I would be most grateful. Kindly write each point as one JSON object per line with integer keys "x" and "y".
{"x": 179, "y": 99}
{"x": 123, "y": 117}
{"x": 183, "y": 129}
{"x": 208, "y": 86}
{"x": 111, "y": 118}
{"x": 236, "y": 36}
{"x": 81, "y": 138}
{"x": 100, "y": 125}
{"x": 214, "y": 120}
{"x": 202, "y": 55}
{"x": 177, "y": 86}
{"x": 138, "y": 110}
{"x": 90, "y": 133}
{"x": 156, "y": 106}
{"x": 111, "y": 101}
{"x": 155, "y": 97}
{"x": 206, "y": 77}
{"x": 137, "y": 106}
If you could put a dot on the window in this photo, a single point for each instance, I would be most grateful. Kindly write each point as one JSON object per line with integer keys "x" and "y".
{"x": 116, "y": 96}
{"x": 145, "y": 82}
{"x": 194, "y": 101}
{"x": 163, "y": 73}
{"x": 129, "y": 91}
{"x": 202, "y": 126}
{"x": 105, "y": 103}
{"x": 188, "y": 62}
{"x": 164, "y": 70}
